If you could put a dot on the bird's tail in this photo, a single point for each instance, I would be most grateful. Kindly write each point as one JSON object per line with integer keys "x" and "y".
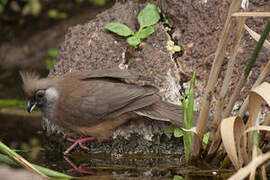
{"x": 163, "y": 111}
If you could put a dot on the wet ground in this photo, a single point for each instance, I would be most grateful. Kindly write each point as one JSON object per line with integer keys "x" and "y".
{"x": 25, "y": 133}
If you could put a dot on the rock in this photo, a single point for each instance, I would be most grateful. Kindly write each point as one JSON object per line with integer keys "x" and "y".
{"x": 90, "y": 46}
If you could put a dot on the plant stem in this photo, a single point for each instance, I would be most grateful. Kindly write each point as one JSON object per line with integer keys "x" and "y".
{"x": 215, "y": 132}
{"x": 19, "y": 159}
{"x": 257, "y": 49}
{"x": 243, "y": 78}
{"x": 219, "y": 57}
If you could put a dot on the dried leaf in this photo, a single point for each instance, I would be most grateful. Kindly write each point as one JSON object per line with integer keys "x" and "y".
{"x": 231, "y": 130}
{"x": 251, "y": 14}
{"x": 253, "y": 165}
{"x": 257, "y": 36}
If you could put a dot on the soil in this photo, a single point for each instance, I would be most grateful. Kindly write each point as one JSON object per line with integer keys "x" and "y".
{"x": 197, "y": 28}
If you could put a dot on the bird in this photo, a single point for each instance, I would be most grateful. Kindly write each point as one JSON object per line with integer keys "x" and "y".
{"x": 89, "y": 105}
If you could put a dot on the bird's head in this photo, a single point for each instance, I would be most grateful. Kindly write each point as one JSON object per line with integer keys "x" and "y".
{"x": 40, "y": 92}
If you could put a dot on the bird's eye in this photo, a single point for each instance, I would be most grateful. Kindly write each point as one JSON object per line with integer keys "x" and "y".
{"x": 40, "y": 94}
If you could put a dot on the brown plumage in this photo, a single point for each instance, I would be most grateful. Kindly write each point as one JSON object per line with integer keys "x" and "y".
{"x": 94, "y": 103}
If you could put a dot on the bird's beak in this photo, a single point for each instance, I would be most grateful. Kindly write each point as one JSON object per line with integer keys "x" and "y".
{"x": 31, "y": 105}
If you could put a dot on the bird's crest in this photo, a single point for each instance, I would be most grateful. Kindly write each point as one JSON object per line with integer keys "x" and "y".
{"x": 32, "y": 83}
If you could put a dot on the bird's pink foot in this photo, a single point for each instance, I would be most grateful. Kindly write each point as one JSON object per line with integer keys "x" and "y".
{"x": 78, "y": 142}
{"x": 79, "y": 169}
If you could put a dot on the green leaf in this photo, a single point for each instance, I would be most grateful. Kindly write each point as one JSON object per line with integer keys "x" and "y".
{"x": 133, "y": 41}
{"x": 12, "y": 103}
{"x": 4, "y": 1}
{"x": 62, "y": 15}
{"x": 1, "y": 8}
{"x": 26, "y": 9}
{"x": 166, "y": 21}
{"x": 170, "y": 48}
{"x": 148, "y": 16}
{"x": 176, "y": 177}
{"x": 144, "y": 33}
{"x": 35, "y": 7}
{"x": 51, "y": 173}
{"x": 178, "y": 132}
{"x": 170, "y": 43}
{"x": 5, "y": 159}
{"x": 52, "y": 52}
{"x": 98, "y": 2}
{"x": 181, "y": 97}
{"x": 177, "y": 48}
{"x": 49, "y": 63}
{"x": 118, "y": 28}
{"x": 53, "y": 13}
{"x": 206, "y": 138}
{"x": 192, "y": 83}
{"x": 187, "y": 91}
{"x": 171, "y": 128}
{"x": 190, "y": 109}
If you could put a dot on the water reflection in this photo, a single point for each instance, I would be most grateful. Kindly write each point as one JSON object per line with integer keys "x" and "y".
{"x": 24, "y": 133}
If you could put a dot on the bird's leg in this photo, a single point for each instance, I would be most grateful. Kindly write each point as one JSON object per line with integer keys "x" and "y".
{"x": 79, "y": 169}
{"x": 78, "y": 142}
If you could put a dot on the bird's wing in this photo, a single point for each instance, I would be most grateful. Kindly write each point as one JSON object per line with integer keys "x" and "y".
{"x": 105, "y": 73}
{"x": 93, "y": 100}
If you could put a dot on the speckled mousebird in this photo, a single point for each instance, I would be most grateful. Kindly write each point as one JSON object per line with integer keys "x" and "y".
{"x": 92, "y": 104}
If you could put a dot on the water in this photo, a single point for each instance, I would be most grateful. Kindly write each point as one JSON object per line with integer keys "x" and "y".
{"x": 25, "y": 133}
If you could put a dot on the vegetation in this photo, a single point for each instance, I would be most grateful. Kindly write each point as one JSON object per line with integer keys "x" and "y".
{"x": 241, "y": 142}
{"x": 173, "y": 48}
{"x": 55, "y": 14}
{"x": 147, "y": 18}
{"x": 35, "y": 7}
{"x": 11, "y": 157}
{"x": 50, "y": 61}
{"x": 12, "y": 103}
{"x": 187, "y": 130}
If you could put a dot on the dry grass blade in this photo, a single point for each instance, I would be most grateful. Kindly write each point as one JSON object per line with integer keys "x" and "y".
{"x": 231, "y": 131}
{"x": 255, "y": 100}
{"x": 251, "y": 14}
{"x": 257, "y": 36}
{"x": 248, "y": 68}
{"x": 267, "y": 119}
{"x": 219, "y": 57}
{"x": 253, "y": 165}
{"x": 234, "y": 96}
{"x": 258, "y": 128}
{"x": 215, "y": 141}
{"x": 19, "y": 159}
{"x": 263, "y": 74}
{"x": 29, "y": 166}
{"x": 263, "y": 169}
{"x": 263, "y": 91}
